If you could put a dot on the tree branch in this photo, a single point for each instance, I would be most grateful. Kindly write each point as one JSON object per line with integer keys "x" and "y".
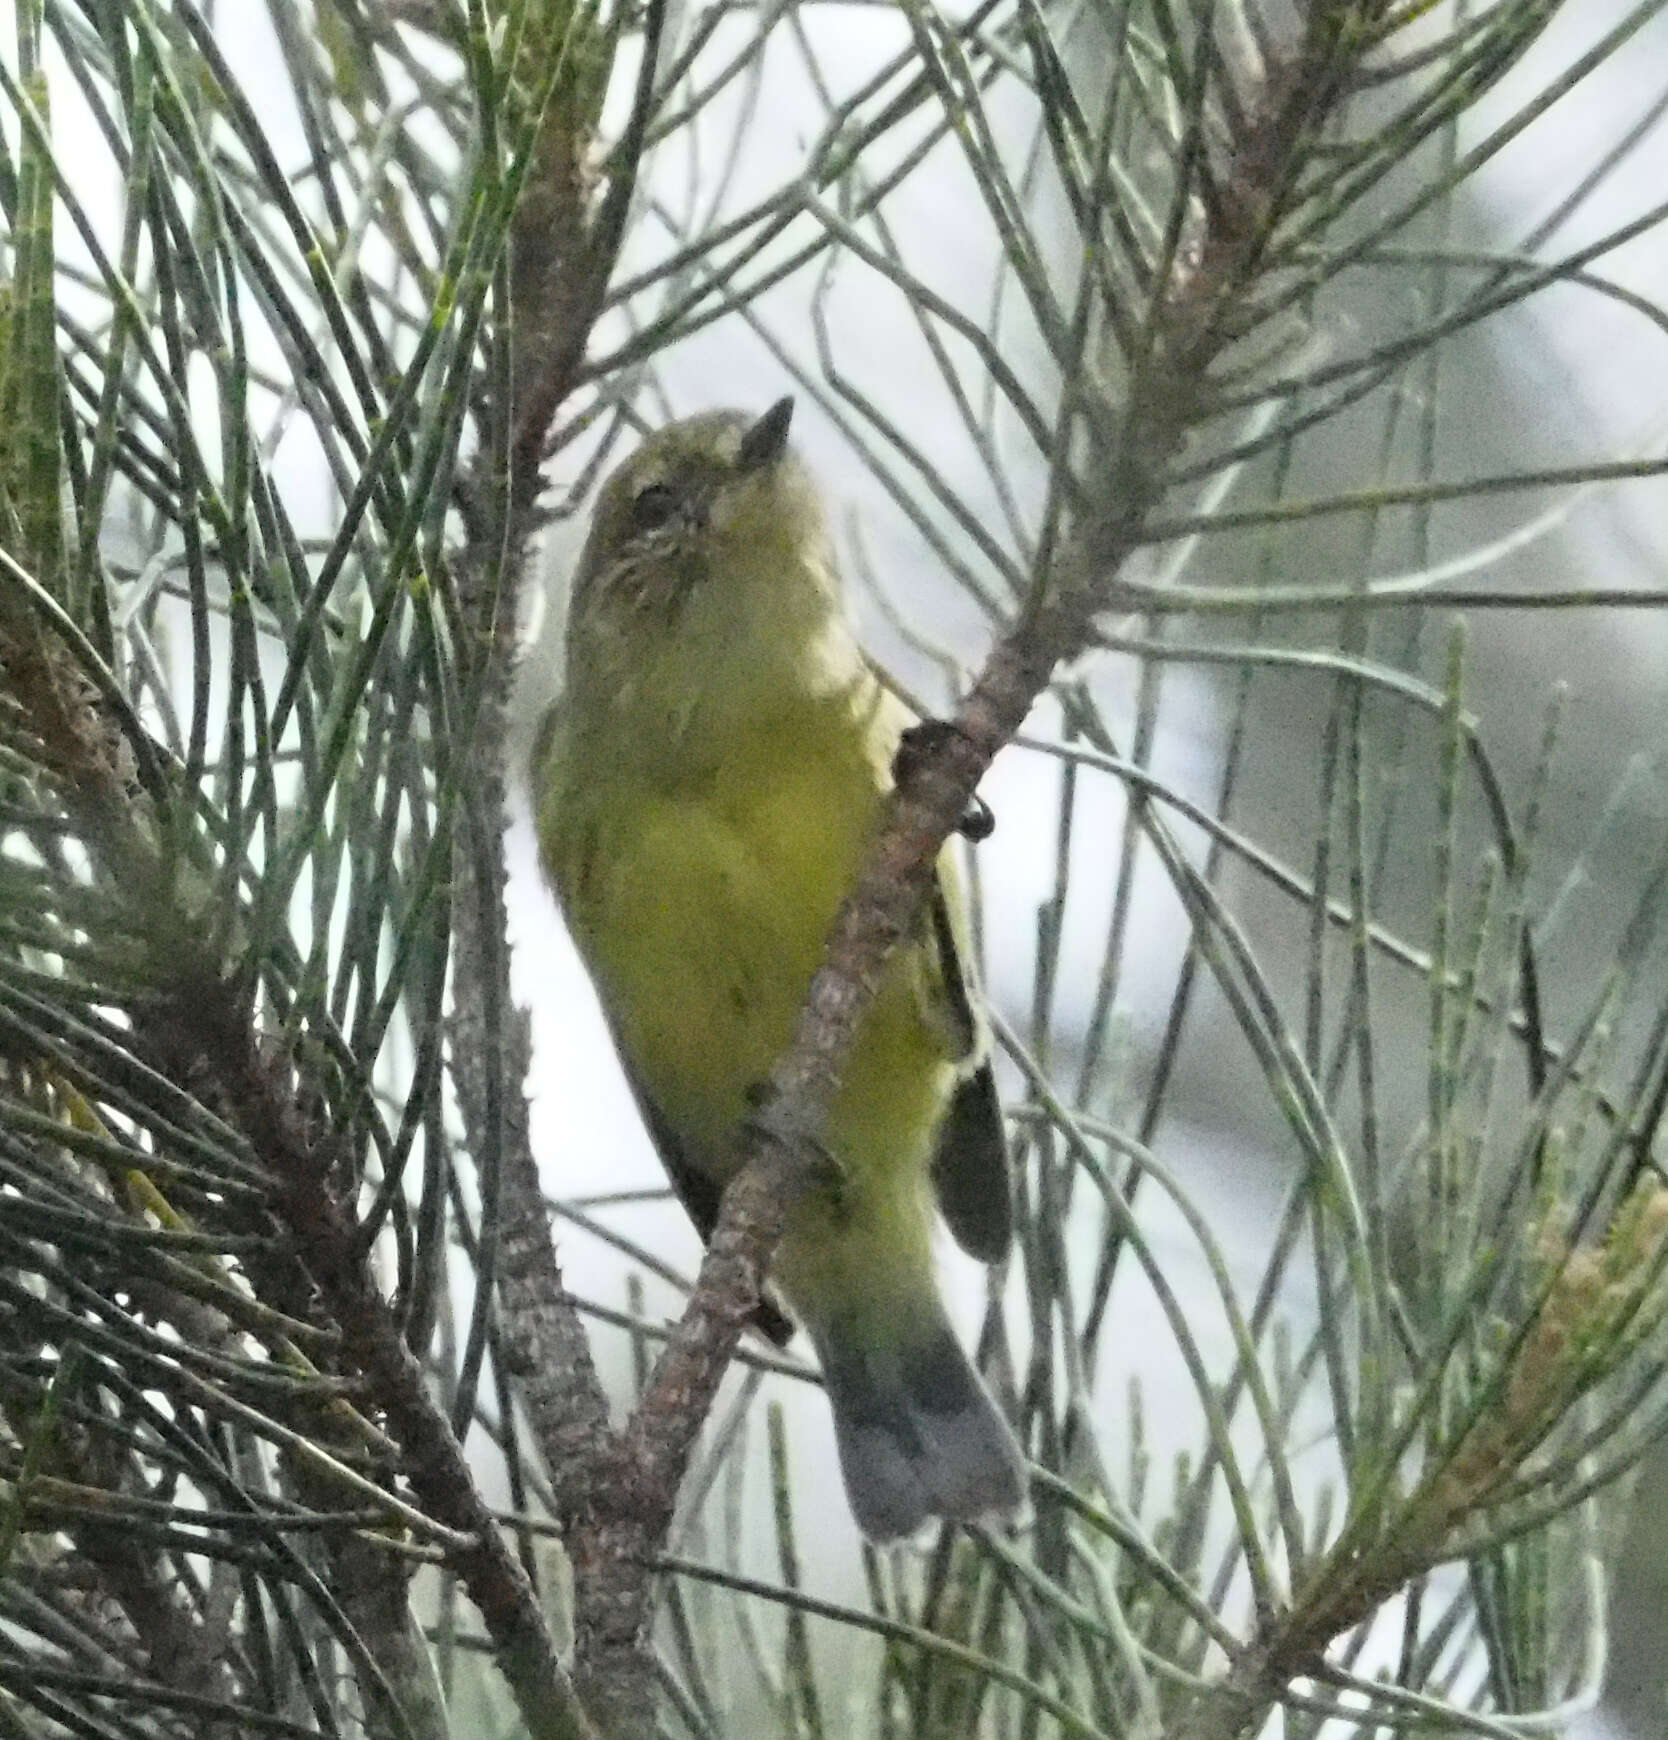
{"x": 205, "y": 1017}
{"x": 1218, "y": 240}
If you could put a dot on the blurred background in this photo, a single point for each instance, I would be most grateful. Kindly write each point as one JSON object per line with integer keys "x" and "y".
{"x": 1567, "y": 377}
{"x": 1085, "y": 940}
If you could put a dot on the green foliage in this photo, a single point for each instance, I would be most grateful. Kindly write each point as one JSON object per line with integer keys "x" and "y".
{"x": 261, "y": 433}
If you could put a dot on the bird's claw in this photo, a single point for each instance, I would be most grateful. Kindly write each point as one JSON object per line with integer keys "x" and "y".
{"x": 977, "y": 822}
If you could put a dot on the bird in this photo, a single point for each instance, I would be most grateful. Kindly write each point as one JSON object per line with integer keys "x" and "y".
{"x": 705, "y": 787}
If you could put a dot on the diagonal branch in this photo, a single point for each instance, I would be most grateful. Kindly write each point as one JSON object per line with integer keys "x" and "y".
{"x": 1217, "y": 243}
{"x": 202, "y": 1019}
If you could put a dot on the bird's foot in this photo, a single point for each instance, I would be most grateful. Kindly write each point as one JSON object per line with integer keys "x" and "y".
{"x": 922, "y": 739}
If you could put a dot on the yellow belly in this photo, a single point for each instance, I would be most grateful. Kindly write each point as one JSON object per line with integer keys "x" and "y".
{"x": 702, "y": 915}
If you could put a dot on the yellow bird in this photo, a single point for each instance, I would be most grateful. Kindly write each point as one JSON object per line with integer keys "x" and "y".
{"x": 706, "y": 787}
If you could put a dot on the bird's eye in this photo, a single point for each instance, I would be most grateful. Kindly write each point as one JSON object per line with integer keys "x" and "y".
{"x": 653, "y": 505}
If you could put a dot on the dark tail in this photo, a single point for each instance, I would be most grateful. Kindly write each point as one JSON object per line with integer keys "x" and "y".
{"x": 918, "y": 1434}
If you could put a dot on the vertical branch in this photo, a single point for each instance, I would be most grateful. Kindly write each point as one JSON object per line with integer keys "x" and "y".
{"x": 1215, "y": 250}
{"x": 563, "y": 246}
{"x": 1243, "y": 156}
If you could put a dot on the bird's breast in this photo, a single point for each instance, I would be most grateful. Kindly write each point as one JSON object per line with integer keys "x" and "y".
{"x": 702, "y": 903}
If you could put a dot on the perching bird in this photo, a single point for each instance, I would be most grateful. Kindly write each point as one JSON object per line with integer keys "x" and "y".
{"x": 706, "y": 787}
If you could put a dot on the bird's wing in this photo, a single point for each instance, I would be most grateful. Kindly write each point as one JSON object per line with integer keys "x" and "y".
{"x": 970, "y": 1162}
{"x": 700, "y": 1195}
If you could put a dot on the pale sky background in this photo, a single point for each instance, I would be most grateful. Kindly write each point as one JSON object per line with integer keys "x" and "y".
{"x": 1577, "y": 378}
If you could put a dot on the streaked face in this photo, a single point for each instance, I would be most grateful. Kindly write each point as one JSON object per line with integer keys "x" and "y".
{"x": 682, "y": 505}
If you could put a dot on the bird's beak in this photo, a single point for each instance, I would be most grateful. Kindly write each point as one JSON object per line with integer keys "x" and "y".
{"x": 767, "y": 440}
